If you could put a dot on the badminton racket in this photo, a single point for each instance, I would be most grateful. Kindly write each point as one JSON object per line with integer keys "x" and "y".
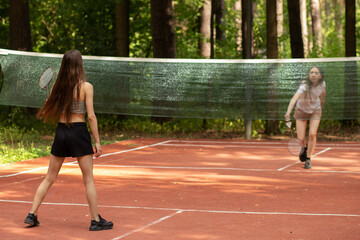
{"x": 46, "y": 78}
{"x": 294, "y": 146}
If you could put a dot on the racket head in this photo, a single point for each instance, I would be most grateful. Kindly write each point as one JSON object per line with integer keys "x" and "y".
{"x": 294, "y": 146}
{"x": 46, "y": 77}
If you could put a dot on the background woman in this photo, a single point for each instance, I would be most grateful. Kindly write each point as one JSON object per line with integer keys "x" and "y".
{"x": 309, "y": 100}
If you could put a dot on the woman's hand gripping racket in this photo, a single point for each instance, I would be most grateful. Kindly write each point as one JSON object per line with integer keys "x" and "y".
{"x": 46, "y": 78}
{"x": 294, "y": 146}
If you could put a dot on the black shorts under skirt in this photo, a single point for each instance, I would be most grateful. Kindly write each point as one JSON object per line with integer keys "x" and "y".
{"x": 72, "y": 141}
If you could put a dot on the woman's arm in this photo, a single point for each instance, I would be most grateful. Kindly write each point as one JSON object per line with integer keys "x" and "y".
{"x": 291, "y": 105}
{"x": 89, "y": 94}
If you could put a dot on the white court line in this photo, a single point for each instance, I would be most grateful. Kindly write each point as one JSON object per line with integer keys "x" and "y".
{"x": 316, "y": 154}
{"x": 287, "y": 166}
{"x": 70, "y": 163}
{"x": 250, "y": 145}
{"x": 275, "y": 142}
{"x": 148, "y": 225}
{"x": 134, "y": 149}
{"x": 226, "y": 146}
{"x": 190, "y": 210}
{"x": 218, "y": 168}
{"x": 325, "y": 150}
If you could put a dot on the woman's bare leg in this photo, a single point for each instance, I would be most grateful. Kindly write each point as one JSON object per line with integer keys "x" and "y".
{"x": 86, "y": 166}
{"x": 301, "y": 131}
{"x": 53, "y": 171}
{"x": 313, "y": 127}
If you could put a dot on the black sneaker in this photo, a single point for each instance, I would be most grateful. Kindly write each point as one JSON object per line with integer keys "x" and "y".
{"x": 308, "y": 163}
{"x": 302, "y": 154}
{"x": 32, "y": 220}
{"x": 102, "y": 224}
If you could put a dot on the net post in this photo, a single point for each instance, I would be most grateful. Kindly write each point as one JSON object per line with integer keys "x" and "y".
{"x": 248, "y": 129}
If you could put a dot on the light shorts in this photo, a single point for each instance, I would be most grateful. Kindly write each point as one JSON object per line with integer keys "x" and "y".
{"x": 72, "y": 141}
{"x": 301, "y": 115}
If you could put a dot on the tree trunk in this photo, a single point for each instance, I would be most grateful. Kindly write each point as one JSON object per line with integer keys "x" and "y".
{"x": 122, "y": 27}
{"x": 237, "y": 8}
{"x": 316, "y": 24}
{"x": 122, "y": 8}
{"x": 163, "y": 34}
{"x": 205, "y": 40}
{"x": 247, "y": 33}
{"x": 272, "y": 126}
{"x": 163, "y": 29}
{"x": 338, "y": 17}
{"x": 280, "y": 22}
{"x": 248, "y": 52}
{"x": 297, "y": 45}
{"x": 271, "y": 29}
{"x": 350, "y": 31}
{"x": 304, "y": 28}
{"x": 20, "y": 32}
{"x": 204, "y": 26}
{"x": 219, "y": 12}
{"x": 351, "y": 85}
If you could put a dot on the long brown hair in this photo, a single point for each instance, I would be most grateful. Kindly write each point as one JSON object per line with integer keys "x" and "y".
{"x": 68, "y": 82}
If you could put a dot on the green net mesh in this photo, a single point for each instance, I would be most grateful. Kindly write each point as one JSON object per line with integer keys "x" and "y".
{"x": 188, "y": 88}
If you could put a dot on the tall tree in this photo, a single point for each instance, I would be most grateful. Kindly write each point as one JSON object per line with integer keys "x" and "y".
{"x": 297, "y": 45}
{"x": 163, "y": 37}
{"x": 122, "y": 8}
{"x": 350, "y": 29}
{"x": 237, "y": 8}
{"x": 20, "y": 32}
{"x": 122, "y": 27}
{"x": 316, "y": 24}
{"x": 304, "y": 28}
{"x": 272, "y": 53}
{"x": 280, "y": 22}
{"x": 351, "y": 85}
{"x": 204, "y": 27}
{"x": 163, "y": 28}
{"x": 219, "y": 13}
{"x": 271, "y": 29}
{"x": 205, "y": 45}
{"x": 248, "y": 52}
{"x": 338, "y": 25}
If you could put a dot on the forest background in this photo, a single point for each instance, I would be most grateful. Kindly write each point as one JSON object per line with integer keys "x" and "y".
{"x": 219, "y": 29}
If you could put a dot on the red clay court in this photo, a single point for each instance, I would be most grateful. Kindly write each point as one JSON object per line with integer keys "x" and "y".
{"x": 169, "y": 189}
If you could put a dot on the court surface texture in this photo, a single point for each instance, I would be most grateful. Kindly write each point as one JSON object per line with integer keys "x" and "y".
{"x": 172, "y": 189}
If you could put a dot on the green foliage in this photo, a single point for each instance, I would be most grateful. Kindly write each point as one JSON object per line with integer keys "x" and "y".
{"x": 140, "y": 29}
{"x": 59, "y": 25}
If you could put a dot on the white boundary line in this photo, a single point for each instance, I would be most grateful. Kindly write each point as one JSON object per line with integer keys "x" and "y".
{"x": 270, "y": 142}
{"x": 219, "y": 168}
{"x": 257, "y": 145}
{"x": 134, "y": 149}
{"x": 190, "y": 210}
{"x": 325, "y": 150}
{"x": 287, "y": 166}
{"x": 316, "y": 154}
{"x": 71, "y": 163}
{"x": 148, "y": 225}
